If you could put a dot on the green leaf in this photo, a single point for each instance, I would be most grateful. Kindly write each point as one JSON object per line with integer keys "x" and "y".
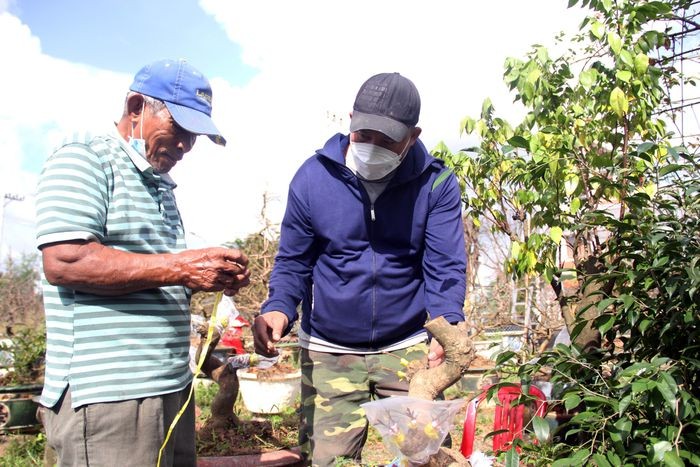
{"x": 646, "y": 147}
{"x": 627, "y": 300}
{"x": 641, "y": 64}
{"x": 468, "y": 124}
{"x": 550, "y": 130}
{"x": 627, "y": 58}
{"x": 624, "y": 75}
{"x": 615, "y": 42}
{"x": 624, "y": 427}
{"x": 641, "y": 386}
{"x": 571, "y": 401}
{"x": 571, "y": 184}
{"x": 512, "y": 458}
{"x": 515, "y": 250}
{"x": 519, "y": 142}
{"x": 531, "y": 260}
{"x": 533, "y": 76}
{"x": 618, "y": 102}
{"x": 504, "y": 357}
{"x": 555, "y": 234}
{"x": 670, "y": 169}
{"x": 603, "y": 304}
{"x": 624, "y": 403}
{"x": 601, "y": 461}
{"x": 672, "y": 460}
{"x": 588, "y": 78}
{"x": 575, "y": 205}
{"x": 598, "y": 29}
{"x": 668, "y": 391}
{"x": 605, "y": 323}
{"x": 486, "y": 108}
{"x": 541, "y": 427}
{"x": 660, "y": 449}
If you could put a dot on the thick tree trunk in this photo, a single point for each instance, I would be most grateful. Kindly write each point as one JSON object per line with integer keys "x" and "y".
{"x": 429, "y": 383}
{"x": 584, "y": 297}
{"x": 459, "y": 355}
{"x": 222, "y": 416}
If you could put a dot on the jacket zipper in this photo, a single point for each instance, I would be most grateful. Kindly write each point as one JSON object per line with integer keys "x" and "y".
{"x": 371, "y": 213}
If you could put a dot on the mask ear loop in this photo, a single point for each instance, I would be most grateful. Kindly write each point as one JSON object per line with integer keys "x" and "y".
{"x": 405, "y": 149}
{"x": 143, "y": 109}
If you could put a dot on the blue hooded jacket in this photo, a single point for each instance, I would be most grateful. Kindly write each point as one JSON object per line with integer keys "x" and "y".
{"x": 375, "y": 271}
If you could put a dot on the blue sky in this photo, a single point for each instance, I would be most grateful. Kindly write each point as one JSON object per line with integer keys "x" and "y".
{"x": 284, "y": 82}
{"x": 121, "y": 35}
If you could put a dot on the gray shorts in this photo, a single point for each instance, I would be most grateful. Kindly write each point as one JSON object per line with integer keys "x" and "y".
{"x": 126, "y": 433}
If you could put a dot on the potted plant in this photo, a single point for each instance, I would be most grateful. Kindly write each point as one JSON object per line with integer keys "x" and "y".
{"x": 274, "y": 388}
{"x": 225, "y": 434}
{"x": 21, "y": 377}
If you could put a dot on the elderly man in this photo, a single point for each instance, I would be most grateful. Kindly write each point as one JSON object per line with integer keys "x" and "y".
{"x": 117, "y": 278}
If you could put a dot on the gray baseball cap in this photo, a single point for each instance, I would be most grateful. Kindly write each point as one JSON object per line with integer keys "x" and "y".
{"x": 388, "y": 103}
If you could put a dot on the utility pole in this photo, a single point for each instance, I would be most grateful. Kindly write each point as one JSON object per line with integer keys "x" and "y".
{"x": 7, "y": 199}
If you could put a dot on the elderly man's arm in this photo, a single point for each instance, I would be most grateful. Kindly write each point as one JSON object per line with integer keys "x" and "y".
{"x": 94, "y": 268}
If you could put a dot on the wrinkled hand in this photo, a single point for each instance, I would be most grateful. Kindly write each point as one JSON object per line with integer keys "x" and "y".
{"x": 267, "y": 331}
{"x": 214, "y": 269}
{"x": 436, "y": 354}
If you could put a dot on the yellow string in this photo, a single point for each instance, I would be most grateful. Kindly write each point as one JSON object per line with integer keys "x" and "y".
{"x": 202, "y": 358}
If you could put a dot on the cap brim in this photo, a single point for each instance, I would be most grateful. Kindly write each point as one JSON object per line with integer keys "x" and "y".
{"x": 390, "y": 127}
{"x": 195, "y": 122}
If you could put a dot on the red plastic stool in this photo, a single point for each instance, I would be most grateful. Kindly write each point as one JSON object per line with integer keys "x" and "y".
{"x": 508, "y": 419}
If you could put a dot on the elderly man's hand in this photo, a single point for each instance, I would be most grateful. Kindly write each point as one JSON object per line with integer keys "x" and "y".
{"x": 214, "y": 269}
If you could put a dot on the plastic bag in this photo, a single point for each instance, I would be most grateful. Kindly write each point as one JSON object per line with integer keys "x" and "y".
{"x": 412, "y": 429}
{"x": 226, "y": 313}
{"x": 247, "y": 360}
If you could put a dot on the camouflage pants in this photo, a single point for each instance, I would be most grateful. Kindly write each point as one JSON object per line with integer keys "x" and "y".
{"x": 333, "y": 425}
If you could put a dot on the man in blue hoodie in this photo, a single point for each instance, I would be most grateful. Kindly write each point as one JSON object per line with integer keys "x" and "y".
{"x": 371, "y": 246}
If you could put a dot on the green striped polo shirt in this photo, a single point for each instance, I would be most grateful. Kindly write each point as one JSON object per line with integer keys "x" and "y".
{"x": 123, "y": 347}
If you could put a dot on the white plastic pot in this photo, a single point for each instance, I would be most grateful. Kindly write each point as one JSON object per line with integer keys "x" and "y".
{"x": 271, "y": 393}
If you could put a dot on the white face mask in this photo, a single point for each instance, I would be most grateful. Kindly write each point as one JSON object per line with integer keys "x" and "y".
{"x": 374, "y": 162}
{"x": 139, "y": 144}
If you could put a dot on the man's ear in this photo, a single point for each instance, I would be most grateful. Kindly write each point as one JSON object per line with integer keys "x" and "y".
{"x": 415, "y": 133}
{"x": 135, "y": 105}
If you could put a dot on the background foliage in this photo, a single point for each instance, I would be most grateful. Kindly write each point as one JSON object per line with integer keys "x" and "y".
{"x": 600, "y": 198}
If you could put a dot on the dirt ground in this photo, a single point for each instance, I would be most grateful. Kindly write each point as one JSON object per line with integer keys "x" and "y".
{"x": 268, "y": 434}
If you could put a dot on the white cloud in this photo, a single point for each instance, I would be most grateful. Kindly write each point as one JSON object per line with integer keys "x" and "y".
{"x": 43, "y": 99}
{"x": 312, "y": 57}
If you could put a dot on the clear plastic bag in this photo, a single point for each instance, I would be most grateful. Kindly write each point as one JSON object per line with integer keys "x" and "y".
{"x": 226, "y": 313}
{"x": 248, "y": 360}
{"x": 412, "y": 429}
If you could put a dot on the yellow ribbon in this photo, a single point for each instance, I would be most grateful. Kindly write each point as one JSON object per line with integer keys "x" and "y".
{"x": 202, "y": 358}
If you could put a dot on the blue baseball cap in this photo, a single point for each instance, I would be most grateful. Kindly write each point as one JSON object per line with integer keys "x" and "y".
{"x": 185, "y": 91}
